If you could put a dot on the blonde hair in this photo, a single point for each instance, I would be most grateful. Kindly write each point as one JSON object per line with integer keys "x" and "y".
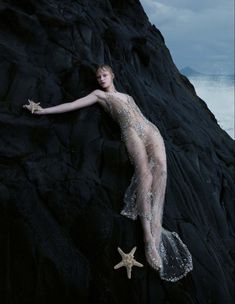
{"x": 104, "y": 66}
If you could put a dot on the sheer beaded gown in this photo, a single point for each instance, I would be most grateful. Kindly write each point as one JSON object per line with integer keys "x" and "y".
{"x": 144, "y": 197}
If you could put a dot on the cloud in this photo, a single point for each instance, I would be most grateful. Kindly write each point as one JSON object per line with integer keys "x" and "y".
{"x": 198, "y": 33}
{"x": 193, "y": 5}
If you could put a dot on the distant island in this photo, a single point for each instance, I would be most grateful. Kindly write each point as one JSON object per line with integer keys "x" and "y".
{"x": 190, "y": 72}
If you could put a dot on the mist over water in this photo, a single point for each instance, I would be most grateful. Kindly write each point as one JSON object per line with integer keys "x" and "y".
{"x": 218, "y": 93}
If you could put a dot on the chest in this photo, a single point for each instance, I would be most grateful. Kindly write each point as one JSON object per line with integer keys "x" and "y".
{"x": 117, "y": 109}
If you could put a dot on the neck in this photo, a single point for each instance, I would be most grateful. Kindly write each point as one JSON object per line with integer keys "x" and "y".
{"x": 111, "y": 89}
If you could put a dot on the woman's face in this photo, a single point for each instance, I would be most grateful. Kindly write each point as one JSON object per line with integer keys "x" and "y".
{"x": 104, "y": 78}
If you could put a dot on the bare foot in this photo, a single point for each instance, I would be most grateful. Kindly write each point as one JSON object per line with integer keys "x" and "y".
{"x": 152, "y": 254}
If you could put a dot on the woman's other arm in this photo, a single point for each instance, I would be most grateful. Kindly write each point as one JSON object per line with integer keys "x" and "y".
{"x": 66, "y": 107}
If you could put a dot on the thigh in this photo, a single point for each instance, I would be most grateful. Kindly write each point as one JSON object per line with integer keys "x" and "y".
{"x": 137, "y": 151}
{"x": 155, "y": 146}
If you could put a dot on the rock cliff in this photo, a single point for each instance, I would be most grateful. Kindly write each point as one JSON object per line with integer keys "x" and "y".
{"x": 62, "y": 177}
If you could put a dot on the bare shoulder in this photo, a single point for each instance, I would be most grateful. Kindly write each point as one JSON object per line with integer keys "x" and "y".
{"x": 102, "y": 96}
{"x": 99, "y": 94}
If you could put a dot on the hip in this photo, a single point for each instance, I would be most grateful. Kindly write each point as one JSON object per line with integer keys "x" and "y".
{"x": 144, "y": 129}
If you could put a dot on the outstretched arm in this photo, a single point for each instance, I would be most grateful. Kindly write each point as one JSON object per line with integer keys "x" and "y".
{"x": 66, "y": 107}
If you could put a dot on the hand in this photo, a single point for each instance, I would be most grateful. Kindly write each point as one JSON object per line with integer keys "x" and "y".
{"x": 34, "y": 107}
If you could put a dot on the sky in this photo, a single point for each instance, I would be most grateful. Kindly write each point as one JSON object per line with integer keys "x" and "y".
{"x": 198, "y": 33}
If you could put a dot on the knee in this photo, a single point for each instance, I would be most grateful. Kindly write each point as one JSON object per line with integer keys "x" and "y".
{"x": 161, "y": 165}
{"x": 147, "y": 176}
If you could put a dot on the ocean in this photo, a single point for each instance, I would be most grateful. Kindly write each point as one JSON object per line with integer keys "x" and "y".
{"x": 218, "y": 93}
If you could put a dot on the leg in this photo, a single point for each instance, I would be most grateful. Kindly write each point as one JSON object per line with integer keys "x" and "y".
{"x": 156, "y": 150}
{"x": 136, "y": 150}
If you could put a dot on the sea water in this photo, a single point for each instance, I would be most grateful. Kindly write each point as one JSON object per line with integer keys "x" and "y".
{"x": 218, "y": 93}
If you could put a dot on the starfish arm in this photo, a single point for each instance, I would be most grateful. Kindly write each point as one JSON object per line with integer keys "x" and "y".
{"x": 119, "y": 265}
{"x": 30, "y": 107}
{"x": 121, "y": 252}
{"x": 133, "y": 251}
{"x": 137, "y": 264}
{"x": 128, "y": 270}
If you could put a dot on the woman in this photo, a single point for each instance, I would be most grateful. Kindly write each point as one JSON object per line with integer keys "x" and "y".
{"x": 144, "y": 196}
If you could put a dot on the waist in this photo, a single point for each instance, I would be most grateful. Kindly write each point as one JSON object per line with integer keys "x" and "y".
{"x": 140, "y": 127}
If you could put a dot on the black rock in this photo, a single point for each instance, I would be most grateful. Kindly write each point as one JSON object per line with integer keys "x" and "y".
{"x": 63, "y": 176}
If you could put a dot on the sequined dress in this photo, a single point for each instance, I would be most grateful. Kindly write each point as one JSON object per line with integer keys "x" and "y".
{"x": 145, "y": 194}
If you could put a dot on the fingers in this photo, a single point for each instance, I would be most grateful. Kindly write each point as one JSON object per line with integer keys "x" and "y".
{"x": 32, "y": 106}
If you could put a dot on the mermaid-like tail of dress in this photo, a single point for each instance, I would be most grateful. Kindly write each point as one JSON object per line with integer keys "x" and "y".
{"x": 176, "y": 260}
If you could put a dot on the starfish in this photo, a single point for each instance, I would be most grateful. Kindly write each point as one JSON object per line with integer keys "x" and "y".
{"x": 33, "y": 105}
{"x": 128, "y": 261}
